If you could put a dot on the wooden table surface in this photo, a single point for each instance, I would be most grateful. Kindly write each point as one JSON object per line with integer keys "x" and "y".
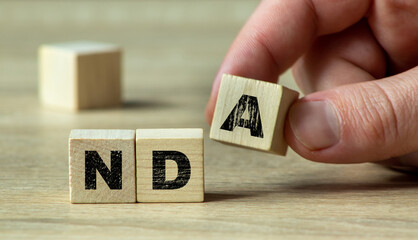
{"x": 172, "y": 50}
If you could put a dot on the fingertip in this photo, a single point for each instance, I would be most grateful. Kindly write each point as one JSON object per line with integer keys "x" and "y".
{"x": 369, "y": 132}
{"x": 298, "y": 146}
{"x": 210, "y": 108}
{"x": 313, "y": 130}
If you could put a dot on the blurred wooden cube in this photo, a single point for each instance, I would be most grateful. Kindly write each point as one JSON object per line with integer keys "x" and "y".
{"x": 80, "y": 75}
{"x": 251, "y": 113}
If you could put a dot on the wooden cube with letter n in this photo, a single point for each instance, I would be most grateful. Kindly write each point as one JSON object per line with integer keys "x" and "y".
{"x": 252, "y": 113}
{"x": 102, "y": 166}
{"x": 169, "y": 165}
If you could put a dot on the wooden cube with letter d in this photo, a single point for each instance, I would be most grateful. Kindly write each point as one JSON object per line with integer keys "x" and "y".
{"x": 251, "y": 113}
{"x": 169, "y": 165}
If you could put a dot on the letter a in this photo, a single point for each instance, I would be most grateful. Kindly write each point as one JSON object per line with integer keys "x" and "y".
{"x": 235, "y": 117}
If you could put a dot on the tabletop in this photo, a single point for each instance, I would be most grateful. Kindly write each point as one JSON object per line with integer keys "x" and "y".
{"x": 172, "y": 50}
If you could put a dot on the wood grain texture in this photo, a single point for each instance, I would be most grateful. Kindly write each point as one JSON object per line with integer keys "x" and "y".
{"x": 189, "y": 142}
{"x": 80, "y": 75}
{"x": 251, "y": 113}
{"x": 172, "y": 52}
{"x": 108, "y": 147}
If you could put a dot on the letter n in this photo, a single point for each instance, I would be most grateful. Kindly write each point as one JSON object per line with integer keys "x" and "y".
{"x": 112, "y": 177}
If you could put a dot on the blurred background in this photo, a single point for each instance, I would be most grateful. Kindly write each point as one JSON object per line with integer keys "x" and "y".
{"x": 171, "y": 54}
{"x": 170, "y": 47}
{"x": 172, "y": 51}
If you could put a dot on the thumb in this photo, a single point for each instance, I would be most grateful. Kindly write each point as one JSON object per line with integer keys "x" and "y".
{"x": 368, "y": 121}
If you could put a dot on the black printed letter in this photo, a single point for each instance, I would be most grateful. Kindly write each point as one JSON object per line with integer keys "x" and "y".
{"x": 158, "y": 166}
{"x": 112, "y": 177}
{"x": 235, "y": 117}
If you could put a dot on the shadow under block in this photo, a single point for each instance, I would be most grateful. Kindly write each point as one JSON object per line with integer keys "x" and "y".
{"x": 252, "y": 113}
{"x": 169, "y": 165}
{"x": 80, "y": 75}
{"x": 102, "y": 166}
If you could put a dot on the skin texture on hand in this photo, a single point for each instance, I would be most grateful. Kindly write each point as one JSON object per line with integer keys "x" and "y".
{"x": 356, "y": 61}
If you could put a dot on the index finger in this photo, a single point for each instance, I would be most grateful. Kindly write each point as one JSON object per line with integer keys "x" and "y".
{"x": 279, "y": 32}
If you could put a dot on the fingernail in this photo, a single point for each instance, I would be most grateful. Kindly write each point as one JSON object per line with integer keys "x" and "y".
{"x": 315, "y": 124}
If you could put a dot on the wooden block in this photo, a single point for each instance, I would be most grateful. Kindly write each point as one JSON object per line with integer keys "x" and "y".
{"x": 102, "y": 166}
{"x": 251, "y": 113}
{"x": 80, "y": 75}
{"x": 169, "y": 165}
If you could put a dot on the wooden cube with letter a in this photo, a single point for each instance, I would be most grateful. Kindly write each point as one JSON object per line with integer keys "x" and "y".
{"x": 169, "y": 165}
{"x": 252, "y": 113}
{"x": 102, "y": 166}
{"x": 80, "y": 75}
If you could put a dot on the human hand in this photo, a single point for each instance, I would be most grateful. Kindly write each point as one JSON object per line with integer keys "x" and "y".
{"x": 357, "y": 62}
